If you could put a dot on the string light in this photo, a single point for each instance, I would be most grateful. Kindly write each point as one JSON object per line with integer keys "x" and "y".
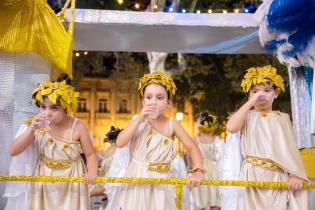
{"x": 85, "y": 53}
{"x": 137, "y": 6}
{"x": 248, "y": 8}
{"x": 77, "y": 54}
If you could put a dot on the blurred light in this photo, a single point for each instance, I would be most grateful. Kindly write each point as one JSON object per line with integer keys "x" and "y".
{"x": 236, "y": 11}
{"x": 224, "y": 11}
{"x": 249, "y": 8}
{"x": 184, "y": 10}
{"x": 209, "y": 11}
{"x": 77, "y": 54}
{"x": 179, "y": 116}
{"x": 155, "y": 7}
{"x": 137, "y": 6}
{"x": 120, "y": 1}
{"x": 86, "y": 52}
{"x": 171, "y": 9}
{"x": 198, "y": 11}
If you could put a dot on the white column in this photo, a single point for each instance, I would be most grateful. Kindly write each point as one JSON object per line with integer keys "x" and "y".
{"x": 19, "y": 75}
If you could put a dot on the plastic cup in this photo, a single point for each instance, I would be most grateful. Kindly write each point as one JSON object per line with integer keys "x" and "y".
{"x": 154, "y": 114}
{"x": 46, "y": 122}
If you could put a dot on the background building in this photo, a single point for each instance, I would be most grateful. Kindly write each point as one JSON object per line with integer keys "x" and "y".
{"x": 102, "y": 104}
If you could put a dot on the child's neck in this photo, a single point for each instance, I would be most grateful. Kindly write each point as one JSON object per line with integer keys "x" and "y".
{"x": 263, "y": 110}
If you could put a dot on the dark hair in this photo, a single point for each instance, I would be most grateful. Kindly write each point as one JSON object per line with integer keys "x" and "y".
{"x": 112, "y": 134}
{"x": 205, "y": 117}
{"x": 64, "y": 77}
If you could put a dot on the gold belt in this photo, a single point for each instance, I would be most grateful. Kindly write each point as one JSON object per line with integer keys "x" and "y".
{"x": 263, "y": 162}
{"x": 55, "y": 164}
{"x": 159, "y": 167}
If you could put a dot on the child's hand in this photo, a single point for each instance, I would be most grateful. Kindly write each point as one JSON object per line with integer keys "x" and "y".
{"x": 146, "y": 111}
{"x": 89, "y": 177}
{"x": 255, "y": 97}
{"x": 195, "y": 179}
{"x": 37, "y": 121}
{"x": 295, "y": 183}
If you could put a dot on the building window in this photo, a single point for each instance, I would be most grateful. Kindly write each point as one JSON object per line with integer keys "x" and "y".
{"x": 123, "y": 106}
{"x": 82, "y": 105}
{"x": 102, "y": 105}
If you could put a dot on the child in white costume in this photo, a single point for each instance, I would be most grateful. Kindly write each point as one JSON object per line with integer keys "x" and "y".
{"x": 58, "y": 141}
{"x": 268, "y": 145}
{"x": 211, "y": 147}
{"x": 150, "y": 137}
{"x": 118, "y": 168}
{"x": 106, "y": 158}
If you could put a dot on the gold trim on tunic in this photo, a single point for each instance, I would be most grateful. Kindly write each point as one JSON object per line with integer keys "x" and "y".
{"x": 55, "y": 164}
{"x": 159, "y": 167}
{"x": 263, "y": 162}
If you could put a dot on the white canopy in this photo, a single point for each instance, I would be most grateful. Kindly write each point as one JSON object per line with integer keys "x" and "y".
{"x": 108, "y": 30}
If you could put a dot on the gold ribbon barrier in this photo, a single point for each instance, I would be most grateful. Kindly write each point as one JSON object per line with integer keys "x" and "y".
{"x": 170, "y": 181}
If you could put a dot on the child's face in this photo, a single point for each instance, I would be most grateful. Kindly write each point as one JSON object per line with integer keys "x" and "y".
{"x": 156, "y": 94}
{"x": 54, "y": 112}
{"x": 264, "y": 102}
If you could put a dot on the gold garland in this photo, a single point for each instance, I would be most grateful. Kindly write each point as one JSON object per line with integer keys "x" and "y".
{"x": 262, "y": 75}
{"x": 209, "y": 128}
{"x": 171, "y": 181}
{"x": 157, "y": 77}
{"x": 57, "y": 92}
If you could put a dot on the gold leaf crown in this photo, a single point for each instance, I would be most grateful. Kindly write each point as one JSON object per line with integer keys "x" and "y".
{"x": 262, "y": 75}
{"x": 208, "y": 124}
{"x": 57, "y": 92}
{"x": 157, "y": 77}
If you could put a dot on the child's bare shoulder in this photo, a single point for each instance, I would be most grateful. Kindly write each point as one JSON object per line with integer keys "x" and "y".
{"x": 81, "y": 125}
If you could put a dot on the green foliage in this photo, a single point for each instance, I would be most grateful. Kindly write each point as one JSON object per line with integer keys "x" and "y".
{"x": 210, "y": 82}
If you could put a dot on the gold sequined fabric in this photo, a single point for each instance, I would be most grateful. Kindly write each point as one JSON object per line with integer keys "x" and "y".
{"x": 31, "y": 26}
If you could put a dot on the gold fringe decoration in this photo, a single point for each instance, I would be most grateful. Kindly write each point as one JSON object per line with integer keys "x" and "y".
{"x": 308, "y": 157}
{"x": 171, "y": 181}
{"x": 30, "y": 26}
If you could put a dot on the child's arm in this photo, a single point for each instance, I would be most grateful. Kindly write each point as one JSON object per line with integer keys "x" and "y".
{"x": 236, "y": 122}
{"x": 20, "y": 143}
{"x": 194, "y": 153}
{"x": 190, "y": 164}
{"x": 126, "y": 135}
{"x": 87, "y": 147}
